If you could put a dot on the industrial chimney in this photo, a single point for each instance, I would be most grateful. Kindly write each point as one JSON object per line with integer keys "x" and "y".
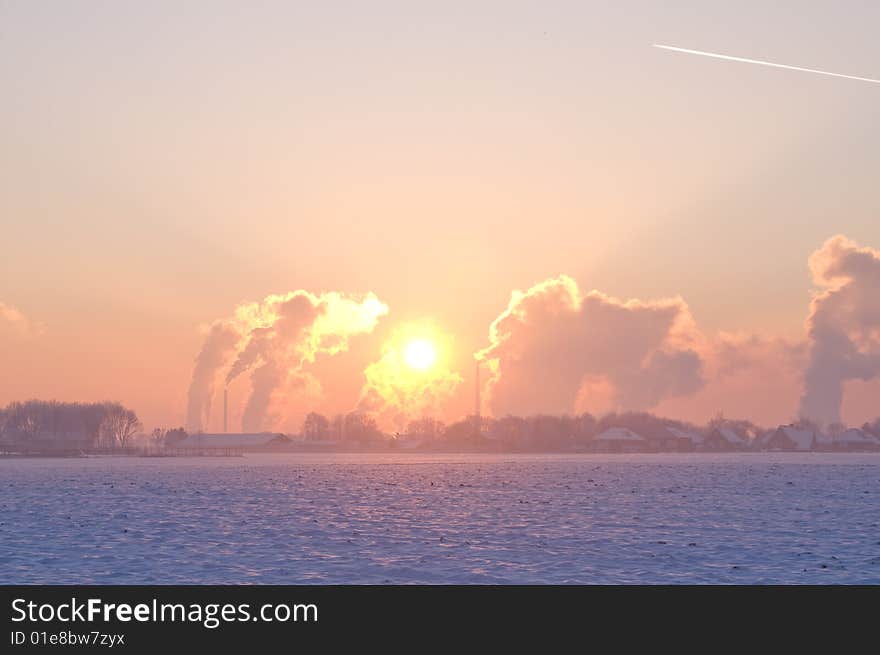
{"x": 477, "y": 420}
{"x": 225, "y": 408}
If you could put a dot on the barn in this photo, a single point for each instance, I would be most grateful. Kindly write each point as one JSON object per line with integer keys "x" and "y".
{"x": 685, "y": 440}
{"x": 619, "y": 440}
{"x": 855, "y": 439}
{"x": 724, "y": 439}
{"x": 790, "y": 438}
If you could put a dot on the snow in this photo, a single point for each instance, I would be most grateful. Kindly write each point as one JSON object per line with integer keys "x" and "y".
{"x": 855, "y": 437}
{"x": 694, "y": 438}
{"x": 732, "y": 437}
{"x": 802, "y": 439}
{"x": 619, "y": 434}
{"x": 431, "y": 518}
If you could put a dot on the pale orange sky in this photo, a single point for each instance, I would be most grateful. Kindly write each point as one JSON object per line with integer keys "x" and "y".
{"x": 162, "y": 164}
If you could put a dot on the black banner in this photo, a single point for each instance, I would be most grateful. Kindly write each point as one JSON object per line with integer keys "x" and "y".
{"x": 136, "y": 618}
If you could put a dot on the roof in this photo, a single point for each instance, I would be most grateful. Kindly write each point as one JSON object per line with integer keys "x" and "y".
{"x": 764, "y": 437}
{"x": 619, "y": 434}
{"x": 231, "y": 440}
{"x": 684, "y": 434}
{"x": 856, "y": 436}
{"x": 802, "y": 439}
{"x": 732, "y": 436}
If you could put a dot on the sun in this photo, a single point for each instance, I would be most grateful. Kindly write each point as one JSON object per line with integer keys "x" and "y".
{"x": 420, "y": 354}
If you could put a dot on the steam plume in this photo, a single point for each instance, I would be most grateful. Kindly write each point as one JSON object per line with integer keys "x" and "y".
{"x": 218, "y": 349}
{"x": 843, "y": 327}
{"x": 273, "y": 340}
{"x": 14, "y": 322}
{"x": 553, "y": 346}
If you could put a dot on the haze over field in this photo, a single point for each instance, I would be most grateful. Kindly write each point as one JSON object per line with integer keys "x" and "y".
{"x": 339, "y": 207}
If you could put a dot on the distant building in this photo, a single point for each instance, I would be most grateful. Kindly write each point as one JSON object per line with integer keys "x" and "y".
{"x": 619, "y": 440}
{"x": 790, "y": 438}
{"x": 684, "y": 440}
{"x": 233, "y": 441}
{"x": 855, "y": 439}
{"x": 724, "y": 439}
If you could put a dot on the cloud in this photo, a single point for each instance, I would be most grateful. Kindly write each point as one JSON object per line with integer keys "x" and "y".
{"x": 747, "y": 354}
{"x": 843, "y": 327}
{"x": 14, "y": 323}
{"x": 554, "y": 348}
{"x": 748, "y": 375}
{"x": 273, "y": 340}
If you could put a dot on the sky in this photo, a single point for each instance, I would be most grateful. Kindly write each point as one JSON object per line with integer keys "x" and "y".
{"x": 162, "y": 164}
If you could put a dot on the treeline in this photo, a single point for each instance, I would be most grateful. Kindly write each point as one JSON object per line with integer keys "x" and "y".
{"x": 353, "y": 427}
{"x": 539, "y": 432}
{"x": 165, "y": 438}
{"x": 50, "y": 424}
{"x": 544, "y": 431}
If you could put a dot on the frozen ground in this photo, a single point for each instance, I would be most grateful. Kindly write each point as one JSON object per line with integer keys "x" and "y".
{"x": 750, "y": 518}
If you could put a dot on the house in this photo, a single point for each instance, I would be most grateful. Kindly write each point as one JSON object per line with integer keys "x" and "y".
{"x": 685, "y": 439}
{"x": 724, "y": 439}
{"x": 855, "y": 439}
{"x": 619, "y": 440}
{"x": 230, "y": 441}
{"x": 790, "y": 438}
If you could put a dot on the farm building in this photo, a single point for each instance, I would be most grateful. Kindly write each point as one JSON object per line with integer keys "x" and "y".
{"x": 724, "y": 439}
{"x": 855, "y": 439}
{"x": 684, "y": 440}
{"x": 232, "y": 442}
{"x": 790, "y": 438}
{"x": 619, "y": 440}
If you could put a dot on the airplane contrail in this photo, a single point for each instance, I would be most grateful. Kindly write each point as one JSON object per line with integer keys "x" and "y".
{"x": 764, "y": 63}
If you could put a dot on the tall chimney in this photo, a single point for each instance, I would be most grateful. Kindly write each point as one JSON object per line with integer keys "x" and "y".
{"x": 225, "y": 407}
{"x": 477, "y": 421}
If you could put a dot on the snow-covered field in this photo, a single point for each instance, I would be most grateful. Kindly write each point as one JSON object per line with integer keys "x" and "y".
{"x": 335, "y": 518}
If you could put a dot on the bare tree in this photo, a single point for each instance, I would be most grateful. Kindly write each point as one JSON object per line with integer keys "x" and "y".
{"x": 425, "y": 428}
{"x": 157, "y": 437}
{"x": 316, "y": 427}
{"x": 26, "y": 419}
{"x": 361, "y": 427}
{"x": 119, "y": 425}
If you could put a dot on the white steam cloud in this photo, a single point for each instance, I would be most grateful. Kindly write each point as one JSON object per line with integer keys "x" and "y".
{"x": 843, "y": 327}
{"x": 553, "y": 348}
{"x": 15, "y": 323}
{"x": 273, "y": 340}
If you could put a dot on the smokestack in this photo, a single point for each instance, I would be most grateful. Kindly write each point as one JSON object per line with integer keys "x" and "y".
{"x": 477, "y": 420}
{"x": 225, "y": 406}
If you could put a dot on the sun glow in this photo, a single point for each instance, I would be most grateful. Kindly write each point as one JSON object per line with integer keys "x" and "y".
{"x": 420, "y": 354}
{"x": 413, "y": 377}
